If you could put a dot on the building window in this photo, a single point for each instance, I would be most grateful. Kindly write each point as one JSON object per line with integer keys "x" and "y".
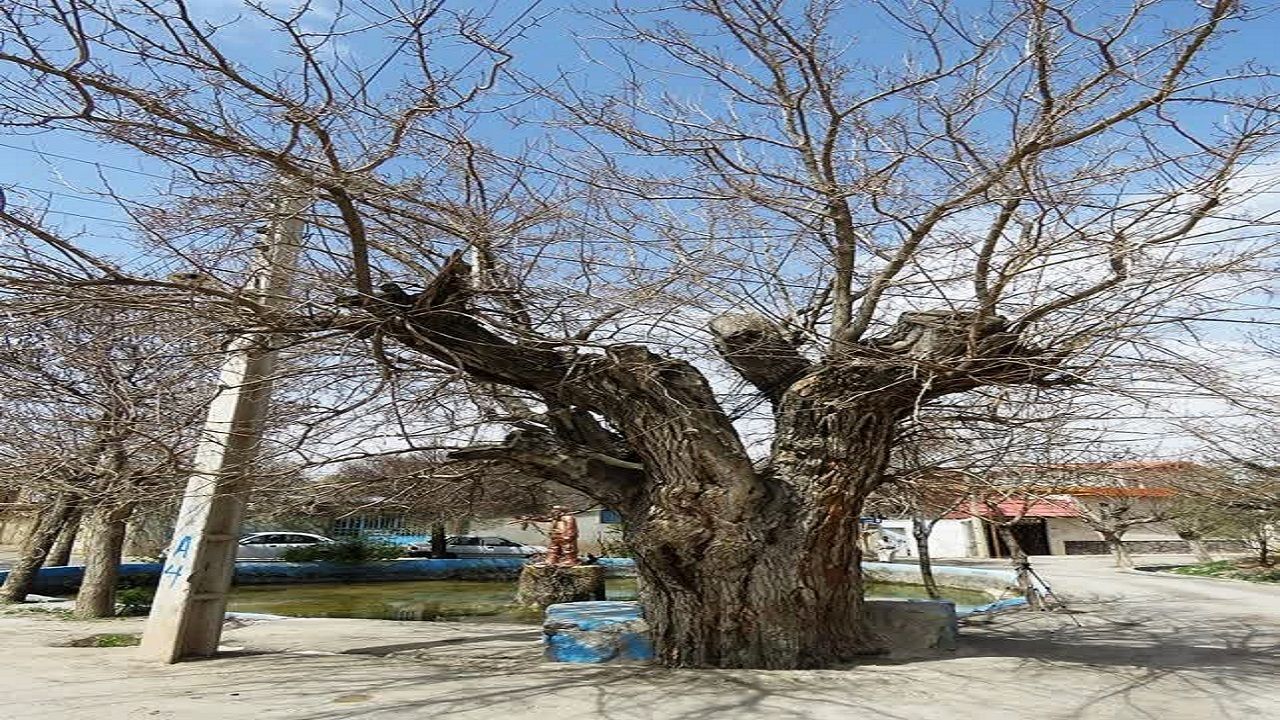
{"x": 373, "y": 524}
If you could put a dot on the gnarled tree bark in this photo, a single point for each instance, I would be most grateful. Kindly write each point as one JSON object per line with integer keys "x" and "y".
{"x": 743, "y": 564}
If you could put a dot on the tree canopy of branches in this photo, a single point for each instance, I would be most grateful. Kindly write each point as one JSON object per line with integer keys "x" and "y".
{"x": 707, "y": 280}
{"x": 425, "y": 487}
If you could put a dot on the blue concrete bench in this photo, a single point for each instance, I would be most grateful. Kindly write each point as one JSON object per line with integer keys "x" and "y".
{"x": 596, "y": 632}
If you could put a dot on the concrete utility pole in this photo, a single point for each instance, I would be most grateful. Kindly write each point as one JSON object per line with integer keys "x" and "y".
{"x": 191, "y": 600}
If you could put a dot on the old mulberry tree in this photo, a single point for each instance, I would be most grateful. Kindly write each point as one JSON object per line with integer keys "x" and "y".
{"x": 705, "y": 272}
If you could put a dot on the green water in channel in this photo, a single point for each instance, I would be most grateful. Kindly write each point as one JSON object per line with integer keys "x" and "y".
{"x": 460, "y": 599}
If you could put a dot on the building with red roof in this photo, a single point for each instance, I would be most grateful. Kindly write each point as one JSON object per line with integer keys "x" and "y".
{"x": 1053, "y": 510}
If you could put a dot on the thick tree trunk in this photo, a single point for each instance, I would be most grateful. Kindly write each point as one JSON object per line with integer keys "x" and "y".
{"x": 785, "y": 606}
{"x": 60, "y": 555}
{"x": 439, "y": 541}
{"x": 763, "y": 570}
{"x": 107, "y": 526}
{"x": 921, "y": 531}
{"x": 1119, "y": 552}
{"x": 35, "y": 550}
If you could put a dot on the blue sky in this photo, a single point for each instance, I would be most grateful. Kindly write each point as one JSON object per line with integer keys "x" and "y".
{"x": 62, "y": 170}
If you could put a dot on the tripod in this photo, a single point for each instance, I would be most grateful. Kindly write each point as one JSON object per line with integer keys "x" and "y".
{"x": 1028, "y": 578}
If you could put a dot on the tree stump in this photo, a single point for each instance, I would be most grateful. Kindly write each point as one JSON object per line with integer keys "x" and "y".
{"x": 543, "y": 585}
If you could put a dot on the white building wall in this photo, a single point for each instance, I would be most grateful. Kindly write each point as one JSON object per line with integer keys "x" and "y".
{"x": 1063, "y": 529}
{"x": 950, "y": 538}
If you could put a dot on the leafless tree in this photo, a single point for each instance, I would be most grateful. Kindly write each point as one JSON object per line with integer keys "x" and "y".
{"x": 102, "y": 411}
{"x": 1237, "y": 503}
{"x": 1019, "y": 195}
{"x": 1126, "y": 495}
{"x": 425, "y": 486}
{"x": 1198, "y": 517}
{"x": 926, "y": 496}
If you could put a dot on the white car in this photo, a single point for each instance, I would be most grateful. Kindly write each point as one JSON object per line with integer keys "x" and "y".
{"x": 475, "y": 546}
{"x": 272, "y": 545}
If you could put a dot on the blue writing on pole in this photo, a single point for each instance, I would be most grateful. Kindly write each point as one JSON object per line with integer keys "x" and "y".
{"x": 174, "y": 571}
{"x": 184, "y": 547}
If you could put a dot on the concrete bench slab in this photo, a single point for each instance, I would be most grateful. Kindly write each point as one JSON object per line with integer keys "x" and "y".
{"x": 596, "y": 632}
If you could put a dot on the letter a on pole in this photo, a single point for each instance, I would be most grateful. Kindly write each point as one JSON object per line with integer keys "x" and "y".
{"x": 187, "y": 613}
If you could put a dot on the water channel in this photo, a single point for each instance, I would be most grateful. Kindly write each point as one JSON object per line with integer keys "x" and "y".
{"x": 461, "y": 600}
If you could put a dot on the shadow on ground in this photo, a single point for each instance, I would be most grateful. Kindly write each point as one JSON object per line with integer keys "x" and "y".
{"x": 1039, "y": 665}
{"x": 1131, "y": 656}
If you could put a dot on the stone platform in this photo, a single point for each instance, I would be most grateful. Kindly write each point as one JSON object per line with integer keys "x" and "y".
{"x": 911, "y": 628}
{"x": 542, "y": 586}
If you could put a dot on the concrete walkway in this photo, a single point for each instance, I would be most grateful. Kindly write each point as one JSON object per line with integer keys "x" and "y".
{"x": 1147, "y": 647}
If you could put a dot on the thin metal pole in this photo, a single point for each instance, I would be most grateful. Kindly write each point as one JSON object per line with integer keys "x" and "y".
{"x": 190, "y": 602}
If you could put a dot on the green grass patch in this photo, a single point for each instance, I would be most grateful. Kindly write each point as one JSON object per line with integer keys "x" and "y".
{"x": 107, "y": 640}
{"x": 1231, "y": 571}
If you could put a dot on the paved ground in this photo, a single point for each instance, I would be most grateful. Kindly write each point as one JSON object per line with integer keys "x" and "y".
{"x": 1147, "y": 647}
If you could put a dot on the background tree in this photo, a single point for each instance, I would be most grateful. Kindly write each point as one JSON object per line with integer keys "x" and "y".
{"x": 1251, "y": 504}
{"x": 102, "y": 411}
{"x": 1195, "y": 518}
{"x": 1023, "y": 196}
{"x": 424, "y": 487}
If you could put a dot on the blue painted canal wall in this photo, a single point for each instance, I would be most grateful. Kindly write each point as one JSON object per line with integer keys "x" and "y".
{"x": 596, "y": 632}
{"x": 999, "y": 584}
{"x": 62, "y": 580}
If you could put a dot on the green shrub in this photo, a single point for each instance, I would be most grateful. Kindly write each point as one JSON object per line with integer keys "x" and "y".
{"x": 107, "y": 640}
{"x": 1212, "y": 569}
{"x": 134, "y": 600}
{"x": 351, "y": 551}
